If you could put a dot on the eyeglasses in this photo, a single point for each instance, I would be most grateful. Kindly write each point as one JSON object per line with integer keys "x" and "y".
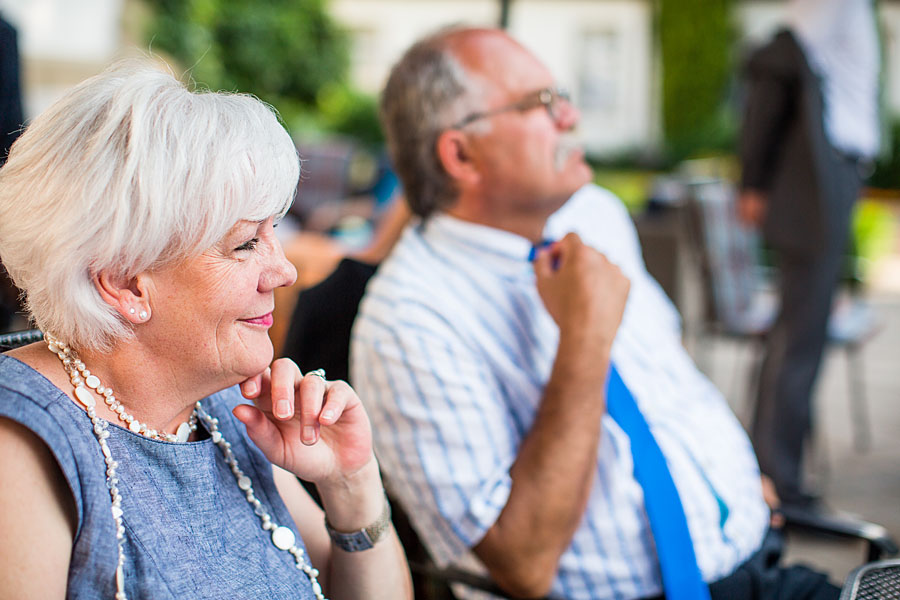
{"x": 549, "y": 98}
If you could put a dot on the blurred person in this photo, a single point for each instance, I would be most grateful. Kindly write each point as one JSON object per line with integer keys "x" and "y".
{"x": 11, "y": 118}
{"x": 810, "y": 125}
{"x": 138, "y": 217}
{"x": 10, "y": 125}
{"x": 540, "y": 419}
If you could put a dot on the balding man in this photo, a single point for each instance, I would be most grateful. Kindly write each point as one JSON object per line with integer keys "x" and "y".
{"x": 534, "y": 409}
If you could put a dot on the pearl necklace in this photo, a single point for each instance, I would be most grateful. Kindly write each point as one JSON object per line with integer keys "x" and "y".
{"x": 81, "y": 377}
{"x": 282, "y": 537}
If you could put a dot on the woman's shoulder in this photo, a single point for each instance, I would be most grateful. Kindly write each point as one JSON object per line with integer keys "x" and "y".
{"x": 22, "y": 386}
{"x": 37, "y": 418}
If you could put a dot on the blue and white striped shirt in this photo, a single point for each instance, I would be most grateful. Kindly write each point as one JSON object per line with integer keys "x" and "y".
{"x": 451, "y": 352}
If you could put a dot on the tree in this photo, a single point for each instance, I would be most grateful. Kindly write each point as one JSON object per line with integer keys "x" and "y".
{"x": 696, "y": 39}
{"x": 283, "y": 51}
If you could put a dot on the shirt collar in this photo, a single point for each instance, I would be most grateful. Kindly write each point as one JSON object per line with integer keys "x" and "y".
{"x": 499, "y": 250}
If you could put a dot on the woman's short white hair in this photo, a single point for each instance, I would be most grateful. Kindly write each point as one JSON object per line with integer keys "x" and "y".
{"x": 131, "y": 171}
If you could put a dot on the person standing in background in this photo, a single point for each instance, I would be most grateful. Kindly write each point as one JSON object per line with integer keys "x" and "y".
{"x": 810, "y": 127}
{"x": 11, "y": 120}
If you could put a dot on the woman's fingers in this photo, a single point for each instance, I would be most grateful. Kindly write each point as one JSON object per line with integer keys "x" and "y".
{"x": 311, "y": 393}
{"x": 337, "y": 396}
{"x": 261, "y": 430}
{"x": 285, "y": 377}
{"x": 250, "y": 388}
{"x": 286, "y": 393}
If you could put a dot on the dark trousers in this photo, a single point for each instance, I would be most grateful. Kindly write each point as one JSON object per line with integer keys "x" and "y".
{"x": 783, "y": 421}
{"x": 760, "y": 578}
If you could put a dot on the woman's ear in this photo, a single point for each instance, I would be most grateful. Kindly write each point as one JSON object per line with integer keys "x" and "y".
{"x": 455, "y": 152}
{"x": 128, "y": 296}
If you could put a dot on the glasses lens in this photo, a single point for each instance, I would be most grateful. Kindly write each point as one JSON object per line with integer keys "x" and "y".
{"x": 550, "y": 99}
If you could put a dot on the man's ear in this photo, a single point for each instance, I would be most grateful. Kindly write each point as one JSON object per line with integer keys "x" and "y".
{"x": 455, "y": 152}
{"x": 128, "y": 296}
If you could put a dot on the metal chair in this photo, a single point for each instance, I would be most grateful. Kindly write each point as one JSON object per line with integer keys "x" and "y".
{"x": 879, "y": 542}
{"x": 737, "y": 305}
{"x": 8, "y": 341}
{"x": 873, "y": 581}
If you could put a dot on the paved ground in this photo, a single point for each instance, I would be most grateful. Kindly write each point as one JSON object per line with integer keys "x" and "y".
{"x": 867, "y": 484}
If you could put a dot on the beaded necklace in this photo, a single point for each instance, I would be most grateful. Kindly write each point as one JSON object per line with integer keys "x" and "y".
{"x": 83, "y": 381}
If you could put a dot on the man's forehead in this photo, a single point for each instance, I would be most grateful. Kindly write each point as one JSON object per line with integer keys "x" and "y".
{"x": 499, "y": 60}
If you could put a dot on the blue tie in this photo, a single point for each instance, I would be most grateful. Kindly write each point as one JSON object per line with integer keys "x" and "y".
{"x": 680, "y": 574}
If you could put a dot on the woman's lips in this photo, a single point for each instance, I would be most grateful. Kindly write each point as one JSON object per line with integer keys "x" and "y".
{"x": 264, "y": 320}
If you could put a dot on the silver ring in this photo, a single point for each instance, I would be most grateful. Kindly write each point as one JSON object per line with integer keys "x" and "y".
{"x": 318, "y": 373}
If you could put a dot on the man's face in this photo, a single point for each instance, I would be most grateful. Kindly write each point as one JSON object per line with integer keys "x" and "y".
{"x": 526, "y": 156}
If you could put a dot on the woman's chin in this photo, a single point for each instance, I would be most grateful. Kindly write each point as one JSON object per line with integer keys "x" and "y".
{"x": 257, "y": 359}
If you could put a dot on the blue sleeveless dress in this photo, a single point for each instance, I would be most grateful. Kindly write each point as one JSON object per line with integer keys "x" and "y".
{"x": 189, "y": 530}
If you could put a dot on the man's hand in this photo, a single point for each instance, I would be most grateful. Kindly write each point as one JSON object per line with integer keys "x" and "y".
{"x": 751, "y": 207}
{"x": 553, "y": 473}
{"x": 772, "y": 499}
{"x": 581, "y": 289}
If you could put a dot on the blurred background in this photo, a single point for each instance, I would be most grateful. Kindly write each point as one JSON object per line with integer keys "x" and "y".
{"x": 657, "y": 81}
{"x": 658, "y": 86}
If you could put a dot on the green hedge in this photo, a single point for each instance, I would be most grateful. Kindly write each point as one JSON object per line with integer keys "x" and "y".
{"x": 289, "y": 53}
{"x": 696, "y": 39}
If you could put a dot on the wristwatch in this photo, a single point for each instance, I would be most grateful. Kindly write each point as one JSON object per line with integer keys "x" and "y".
{"x": 364, "y": 538}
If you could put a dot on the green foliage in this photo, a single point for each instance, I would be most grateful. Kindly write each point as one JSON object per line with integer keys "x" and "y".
{"x": 350, "y": 112}
{"x": 630, "y": 185}
{"x": 283, "y": 51}
{"x": 874, "y": 232}
{"x": 696, "y": 39}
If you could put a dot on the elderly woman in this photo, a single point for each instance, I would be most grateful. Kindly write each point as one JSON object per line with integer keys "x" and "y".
{"x": 138, "y": 218}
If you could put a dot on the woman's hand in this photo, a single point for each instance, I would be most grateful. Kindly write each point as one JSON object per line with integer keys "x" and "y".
{"x": 316, "y": 429}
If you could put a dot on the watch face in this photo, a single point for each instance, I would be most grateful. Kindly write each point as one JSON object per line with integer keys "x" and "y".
{"x": 352, "y": 542}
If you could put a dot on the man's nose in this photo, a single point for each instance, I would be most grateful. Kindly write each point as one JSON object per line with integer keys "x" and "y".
{"x": 566, "y": 114}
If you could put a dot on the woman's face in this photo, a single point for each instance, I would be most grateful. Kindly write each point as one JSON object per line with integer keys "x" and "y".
{"x": 211, "y": 314}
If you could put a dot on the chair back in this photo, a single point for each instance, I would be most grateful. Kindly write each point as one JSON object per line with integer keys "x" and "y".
{"x": 319, "y": 333}
{"x": 8, "y": 341}
{"x": 325, "y": 176}
{"x": 728, "y": 257}
{"x": 873, "y": 581}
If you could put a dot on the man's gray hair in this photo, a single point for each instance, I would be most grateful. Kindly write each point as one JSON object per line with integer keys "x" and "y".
{"x": 427, "y": 91}
{"x": 128, "y": 172}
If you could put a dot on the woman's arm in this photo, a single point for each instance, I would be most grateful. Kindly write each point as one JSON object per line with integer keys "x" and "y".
{"x": 379, "y": 572}
{"x": 37, "y": 518}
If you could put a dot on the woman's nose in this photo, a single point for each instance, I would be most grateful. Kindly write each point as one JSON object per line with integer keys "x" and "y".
{"x": 280, "y": 272}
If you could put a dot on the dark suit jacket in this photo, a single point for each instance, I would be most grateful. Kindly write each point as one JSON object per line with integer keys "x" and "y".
{"x": 10, "y": 124}
{"x": 785, "y": 152}
{"x": 10, "y": 94}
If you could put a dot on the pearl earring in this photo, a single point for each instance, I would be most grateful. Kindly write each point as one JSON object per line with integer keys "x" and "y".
{"x": 143, "y": 315}
{"x": 131, "y": 311}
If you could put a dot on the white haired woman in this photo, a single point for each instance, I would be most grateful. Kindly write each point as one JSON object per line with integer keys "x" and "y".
{"x": 138, "y": 217}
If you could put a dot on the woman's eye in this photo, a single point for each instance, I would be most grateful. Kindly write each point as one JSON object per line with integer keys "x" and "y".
{"x": 248, "y": 245}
